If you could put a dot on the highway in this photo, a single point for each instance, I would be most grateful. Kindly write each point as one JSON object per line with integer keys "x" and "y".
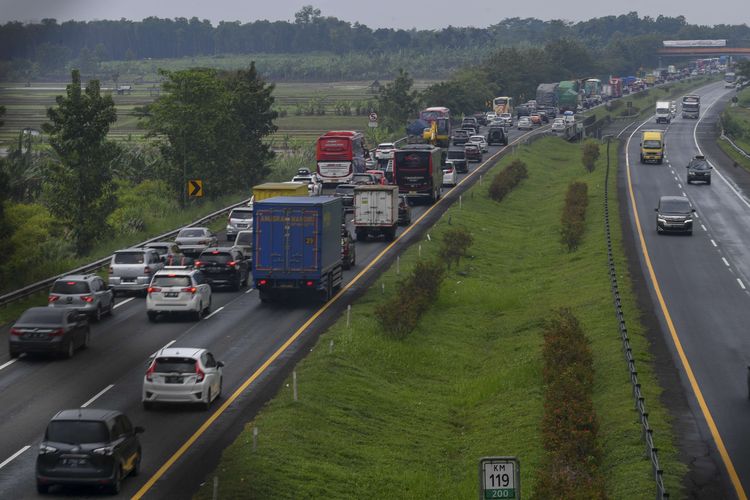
{"x": 258, "y": 343}
{"x": 700, "y": 284}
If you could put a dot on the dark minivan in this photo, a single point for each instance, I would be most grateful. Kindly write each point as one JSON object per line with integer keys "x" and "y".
{"x": 88, "y": 446}
{"x": 458, "y": 156}
{"x": 224, "y": 266}
{"x": 497, "y": 135}
{"x": 674, "y": 214}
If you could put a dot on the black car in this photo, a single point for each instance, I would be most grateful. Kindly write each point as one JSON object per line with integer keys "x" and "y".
{"x": 88, "y": 446}
{"x": 49, "y": 330}
{"x": 699, "y": 170}
{"x": 522, "y": 111}
{"x": 346, "y": 193}
{"x": 481, "y": 118}
{"x": 224, "y": 266}
{"x": 404, "y": 210}
{"x": 497, "y": 135}
{"x": 458, "y": 156}
{"x": 674, "y": 214}
{"x": 460, "y": 137}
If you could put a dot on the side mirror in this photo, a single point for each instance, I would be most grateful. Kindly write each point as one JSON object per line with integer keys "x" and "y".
{"x": 692, "y": 210}
{"x": 220, "y": 364}
{"x": 139, "y": 430}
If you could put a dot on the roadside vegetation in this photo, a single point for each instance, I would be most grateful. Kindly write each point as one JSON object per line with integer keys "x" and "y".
{"x": 396, "y": 417}
{"x": 735, "y": 121}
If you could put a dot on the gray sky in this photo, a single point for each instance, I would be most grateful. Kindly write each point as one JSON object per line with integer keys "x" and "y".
{"x": 380, "y": 13}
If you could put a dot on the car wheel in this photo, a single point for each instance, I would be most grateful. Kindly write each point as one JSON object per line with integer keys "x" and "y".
{"x": 689, "y": 181}
{"x": 689, "y": 233}
{"x": 152, "y": 316}
{"x": 354, "y": 258}
{"x": 708, "y": 182}
{"x": 207, "y": 310}
{"x": 197, "y": 314}
{"x": 237, "y": 284}
{"x": 41, "y": 488}
{"x": 86, "y": 339}
{"x": 111, "y": 309}
{"x": 98, "y": 313}
{"x": 70, "y": 349}
{"x": 116, "y": 485}
{"x": 207, "y": 402}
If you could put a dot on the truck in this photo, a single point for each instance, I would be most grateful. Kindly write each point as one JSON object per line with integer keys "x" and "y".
{"x": 663, "y": 112}
{"x": 567, "y": 95}
{"x": 546, "y": 95}
{"x": 691, "y": 106}
{"x": 297, "y": 247}
{"x": 375, "y": 211}
{"x": 652, "y": 146}
{"x": 592, "y": 87}
{"x": 616, "y": 86}
{"x": 271, "y": 189}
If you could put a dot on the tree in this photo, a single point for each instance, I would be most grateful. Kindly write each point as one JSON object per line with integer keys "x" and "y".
{"x": 6, "y": 230}
{"x": 743, "y": 69}
{"x": 79, "y": 188}
{"x": 397, "y": 102}
{"x": 306, "y": 15}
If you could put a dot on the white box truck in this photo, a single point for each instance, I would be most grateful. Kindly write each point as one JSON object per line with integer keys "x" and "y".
{"x": 663, "y": 112}
{"x": 375, "y": 211}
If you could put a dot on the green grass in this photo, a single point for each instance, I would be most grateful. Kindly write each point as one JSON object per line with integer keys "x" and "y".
{"x": 740, "y": 115}
{"x": 410, "y": 419}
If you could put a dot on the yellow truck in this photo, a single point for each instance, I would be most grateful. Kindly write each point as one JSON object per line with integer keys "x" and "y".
{"x": 272, "y": 189}
{"x": 652, "y": 146}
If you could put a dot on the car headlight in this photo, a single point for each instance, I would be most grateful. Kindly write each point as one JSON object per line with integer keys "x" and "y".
{"x": 106, "y": 451}
{"x": 45, "y": 449}
{"x": 661, "y": 219}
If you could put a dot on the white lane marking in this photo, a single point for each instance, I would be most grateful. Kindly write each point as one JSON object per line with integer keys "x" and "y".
{"x": 14, "y": 456}
{"x": 168, "y": 344}
{"x": 215, "y": 312}
{"x": 8, "y": 363}
{"x": 250, "y": 290}
{"x": 726, "y": 263}
{"x": 84, "y": 405}
{"x": 675, "y": 178}
{"x": 118, "y": 304}
{"x": 712, "y": 241}
{"x": 742, "y": 285}
{"x": 678, "y": 183}
{"x": 704, "y": 228}
{"x": 684, "y": 194}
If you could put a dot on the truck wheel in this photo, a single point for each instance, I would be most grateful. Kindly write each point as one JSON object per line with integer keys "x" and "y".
{"x": 361, "y": 234}
{"x": 265, "y": 296}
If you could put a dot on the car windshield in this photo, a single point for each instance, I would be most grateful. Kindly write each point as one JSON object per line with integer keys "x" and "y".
{"x": 171, "y": 280}
{"x": 652, "y": 144}
{"x": 77, "y": 432}
{"x": 699, "y": 165}
{"x": 191, "y": 233}
{"x": 244, "y": 239}
{"x": 456, "y": 154}
{"x": 676, "y": 206}
{"x": 244, "y": 214}
{"x": 129, "y": 258}
{"x": 461, "y": 132}
{"x": 42, "y": 316}
{"x": 174, "y": 365}
{"x": 216, "y": 258}
{"x": 159, "y": 247}
{"x": 70, "y": 287}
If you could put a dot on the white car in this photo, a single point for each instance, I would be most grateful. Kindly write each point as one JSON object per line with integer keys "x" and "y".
{"x": 450, "y": 177}
{"x": 559, "y": 125}
{"x": 524, "y": 123}
{"x": 507, "y": 118}
{"x": 480, "y": 141}
{"x": 314, "y": 186}
{"x": 385, "y": 150}
{"x": 178, "y": 289}
{"x": 490, "y": 116}
{"x": 182, "y": 375}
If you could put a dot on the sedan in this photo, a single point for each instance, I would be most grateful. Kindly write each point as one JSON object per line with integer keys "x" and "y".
{"x": 524, "y": 123}
{"x": 182, "y": 375}
{"x": 195, "y": 239}
{"x": 450, "y": 177}
{"x": 49, "y": 330}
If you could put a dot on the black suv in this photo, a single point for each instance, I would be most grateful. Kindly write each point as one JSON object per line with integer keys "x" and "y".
{"x": 88, "y": 446}
{"x": 224, "y": 266}
{"x": 674, "y": 214}
{"x": 460, "y": 137}
{"x": 458, "y": 156}
{"x": 699, "y": 170}
{"x": 497, "y": 135}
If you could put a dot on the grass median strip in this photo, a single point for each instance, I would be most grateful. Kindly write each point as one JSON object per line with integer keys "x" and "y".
{"x": 407, "y": 418}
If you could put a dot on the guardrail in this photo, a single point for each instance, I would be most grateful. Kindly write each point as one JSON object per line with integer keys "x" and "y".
{"x": 735, "y": 146}
{"x": 98, "y": 264}
{"x": 640, "y": 402}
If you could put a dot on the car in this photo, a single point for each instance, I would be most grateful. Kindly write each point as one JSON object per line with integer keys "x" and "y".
{"x": 507, "y": 118}
{"x": 524, "y": 123}
{"x": 379, "y": 176}
{"x": 56, "y": 330}
{"x": 460, "y": 137}
{"x": 470, "y": 129}
{"x": 223, "y": 266}
{"x": 470, "y": 120}
{"x": 699, "y": 170}
{"x": 535, "y": 118}
{"x": 178, "y": 290}
{"x": 364, "y": 178}
{"x": 85, "y": 293}
{"x": 346, "y": 193}
{"x": 193, "y": 240}
{"x": 239, "y": 218}
{"x": 88, "y": 446}
{"x": 450, "y": 176}
{"x": 473, "y": 153}
{"x": 480, "y": 141}
{"x": 314, "y": 186}
{"x": 182, "y": 375}
{"x": 348, "y": 248}
{"x": 481, "y": 118}
{"x": 164, "y": 248}
{"x": 490, "y": 116}
{"x": 497, "y": 135}
{"x": 404, "y": 210}
{"x": 131, "y": 269}
{"x": 385, "y": 150}
{"x": 522, "y": 111}
{"x": 674, "y": 214}
{"x": 559, "y": 125}
{"x": 458, "y": 157}
{"x": 543, "y": 115}
{"x": 244, "y": 243}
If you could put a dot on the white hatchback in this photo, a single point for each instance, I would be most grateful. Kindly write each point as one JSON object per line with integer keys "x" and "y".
{"x": 450, "y": 177}
{"x": 178, "y": 289}
{"x": 480, "y": 141}
{"x": 182, "y": 375}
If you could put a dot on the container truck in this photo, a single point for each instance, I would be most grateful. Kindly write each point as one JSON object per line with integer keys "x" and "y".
{"x": 592, "y": 87}
{"x": 297, "y": 247}
{"x": 567, "y": 95}
{"x": 663, "y": 112}
{"x": 271, "y": 189}
{"x": 691, "y": 106}
{"x": 546, "y": 95}
{"x": 375, "y": 211}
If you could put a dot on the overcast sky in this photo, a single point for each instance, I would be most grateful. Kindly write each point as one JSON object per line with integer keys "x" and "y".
{"x": 377, "y": 13}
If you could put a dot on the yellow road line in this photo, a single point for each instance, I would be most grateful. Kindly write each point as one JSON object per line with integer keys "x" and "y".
{"x": 242, "y": 388}
{"x": 676, "y": 339}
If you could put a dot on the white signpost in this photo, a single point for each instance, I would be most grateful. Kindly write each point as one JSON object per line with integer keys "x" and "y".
{"x": 373, "y": 120}
{"x": 499, "y": 477}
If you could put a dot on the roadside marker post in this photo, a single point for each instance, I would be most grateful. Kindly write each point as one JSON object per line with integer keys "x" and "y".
{"x": 499, "y": 477}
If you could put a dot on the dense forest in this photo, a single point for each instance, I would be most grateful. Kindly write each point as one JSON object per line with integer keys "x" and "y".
{"x": 53, "y": 48}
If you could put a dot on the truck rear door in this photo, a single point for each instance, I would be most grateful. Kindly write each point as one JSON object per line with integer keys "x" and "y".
{"x": 302, "y": 240}
{"x": 373, "y": 208}
{"x": 287, "y": 240}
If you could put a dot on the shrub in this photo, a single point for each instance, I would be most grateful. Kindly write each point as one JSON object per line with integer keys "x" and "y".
{"x": 574, "y": 215}
{"x": 456, "y": 243}
{"x": 507, "y": 179}
{"x": 590, "y": 155}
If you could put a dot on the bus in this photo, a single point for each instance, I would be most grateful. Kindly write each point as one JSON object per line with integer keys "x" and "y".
{"x": 418, "y": 172}
{"x": 339, "y": 155}
{"x": 502, "y": 105}
{"x": 441, "y": 117}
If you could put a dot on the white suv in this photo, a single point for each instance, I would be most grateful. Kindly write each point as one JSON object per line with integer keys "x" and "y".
{"x": 182, "y": 375}
{"x": 178, "y": 289}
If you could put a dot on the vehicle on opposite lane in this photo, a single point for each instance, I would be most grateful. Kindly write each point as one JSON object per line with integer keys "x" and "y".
{"x": 699, "y": 170}
{"x": 182, "y": 375}
{"x": 674, "y": 214}
{"x": 57, "y": 330}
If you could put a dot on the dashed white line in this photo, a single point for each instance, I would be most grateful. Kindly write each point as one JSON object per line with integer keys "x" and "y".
{"x": 215, "y": 312}
{"x": 169, "y": 343}
{"x": 704, "y": 228}
{"x": 250, "y": 290}
{"x": 14, "y": 456}
{"x": 726, "y": 262}
{"x": 742, "y": 285}
{"x": 679, "y": 185}
{"x": 84, "y": 405}
{"x": 714, "y": 243}
{"x": 8, "y": 363}
{"x": 675, "y": 178}
{"x": 118, "y": 304}
{"x": 683, "y": 193}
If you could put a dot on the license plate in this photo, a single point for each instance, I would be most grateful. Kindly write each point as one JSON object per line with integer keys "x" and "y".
{"x": 128, "y": 280}
{"x": 38, "y": 335}
{"x": 74, "y": 462}
{"x": 173, "y": 380}
{"x": 171, "y": 294}
{"x": 285, "y": 285}
{"x": 212, "y": 270}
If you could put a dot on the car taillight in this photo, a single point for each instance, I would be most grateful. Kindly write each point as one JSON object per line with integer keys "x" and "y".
{"x": 153, "y": 289}
{"x": 150, "y": 371}
{"x": 197, "y": 263}
{"x": 309, "y": 283}
{"x": 57, "y": 332}
{"x": 53, "y": 298}
{"x": 15, "y": 331}
{"x": 262, "y": 282}
{"x": 147, "y": 270}
{"x": 190, "y": 289}
{"x": 232, "y": 264}
{"x": 87, "y": 298}
{"x": 199, "y": 375}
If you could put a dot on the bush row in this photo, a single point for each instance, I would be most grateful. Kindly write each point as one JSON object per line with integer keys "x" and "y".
{"x": 574, "y": 215}
{"x": 590, "y": 155}
{"x": 570, "y": 467}
{"x": 508, "y": 178}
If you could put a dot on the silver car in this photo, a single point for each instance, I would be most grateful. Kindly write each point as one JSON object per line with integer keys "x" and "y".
{"x": 193, "y": 240}
{"x": 85, "y": 293}
{"x": 180, "y": 290}
{"x": 182, "y": 375}
{"x": 244, "y": 242}
{"x": 239, "y": 218}
{"x": 131, "y": 269}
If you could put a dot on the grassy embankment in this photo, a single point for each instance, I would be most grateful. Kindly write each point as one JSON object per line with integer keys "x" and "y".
{"x": 737, "y": 125}
{"x": 407, "y": 419}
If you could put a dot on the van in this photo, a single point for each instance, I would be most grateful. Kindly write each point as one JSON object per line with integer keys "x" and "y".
{"x": 131, "y": 269}
{"x": 652, "y": 146}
